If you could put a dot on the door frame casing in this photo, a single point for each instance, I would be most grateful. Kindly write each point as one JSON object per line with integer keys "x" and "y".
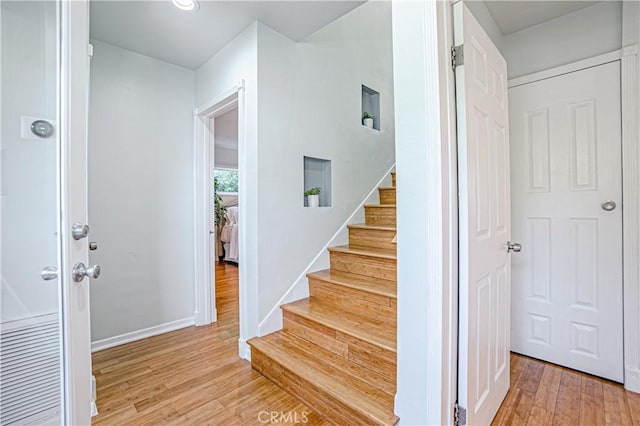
{"x": 205, "y": 312}
{"x": 73, "y": 93}
{"x": 629, "y": 78}
{"x": 630, "y": 93}
{"x": 427, "y": 223}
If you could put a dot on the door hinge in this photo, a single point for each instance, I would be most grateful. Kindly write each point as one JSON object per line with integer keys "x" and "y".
{"x": 457, "y": 56}
{"x": 90, "y": 50}
{"x": 459, "y": 415}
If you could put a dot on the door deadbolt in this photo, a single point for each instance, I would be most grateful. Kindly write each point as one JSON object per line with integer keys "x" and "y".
{"x": 79, "y": 231}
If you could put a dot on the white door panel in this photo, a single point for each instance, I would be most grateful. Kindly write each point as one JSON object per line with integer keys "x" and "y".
{"x": 565, "y": 161}
{"x": 483, "y": 156}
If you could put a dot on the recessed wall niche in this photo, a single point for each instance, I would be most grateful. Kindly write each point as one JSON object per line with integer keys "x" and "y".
{"x": 317, "y": 173}
{"x": 371, "y": 104}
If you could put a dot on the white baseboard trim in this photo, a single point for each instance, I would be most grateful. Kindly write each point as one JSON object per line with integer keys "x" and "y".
{"x": 632, "y": 379}
{"x": 110, "y": 342}
{"x": 94, "y": 407}
{"x": 300, "y": 287}
{"x": 199, "y": 318}
{"x": 244, "y": 350}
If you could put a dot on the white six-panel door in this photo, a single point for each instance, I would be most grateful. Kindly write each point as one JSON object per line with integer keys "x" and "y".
{"x": 565, "y": 162}
{"x": 485, "y": 221}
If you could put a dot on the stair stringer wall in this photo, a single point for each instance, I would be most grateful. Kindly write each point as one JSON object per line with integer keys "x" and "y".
{"x": 300, "y": 288}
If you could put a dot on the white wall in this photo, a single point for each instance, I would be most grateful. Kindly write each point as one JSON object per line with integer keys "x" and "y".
{"x": 28, "y": 193}
{"x": 303, "y": 99}
{"x": 140, "y": 191}
{"x": 236, "y": 62}
{"x": 588, "y": 32}
{"x": 310, "y": 104}
{"x": 630, "y": 23}
{"x": 479, "y": 10}
{"x": 579, "y": 35}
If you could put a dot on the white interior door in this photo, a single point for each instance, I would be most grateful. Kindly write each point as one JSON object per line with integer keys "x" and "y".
{"x": 566, "y": 161}
{"x": 485, "y": 221}
{"x": 45, "y": 353}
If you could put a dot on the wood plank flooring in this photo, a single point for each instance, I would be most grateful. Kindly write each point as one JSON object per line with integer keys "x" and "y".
{"x": 547, "y": 394}
{"x": 192, "y": 376}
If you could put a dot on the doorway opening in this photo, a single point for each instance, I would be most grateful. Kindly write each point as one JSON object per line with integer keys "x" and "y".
{"x": 225, "y": 280}
{"x": 219, "y": 212}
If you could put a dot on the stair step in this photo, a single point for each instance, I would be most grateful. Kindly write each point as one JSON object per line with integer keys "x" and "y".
{"x": 387, "y": 195}
{"x": 383, "y": 288}
{"x": 355, "y": 344}
{"x": 334, "y": 387}
{"x": 370, "y": 262}
{"x": 380, "y": 214}
{"x": 343, "y": 326}
{"x": 355, "y": 293}
{"x": 380, "y": 236}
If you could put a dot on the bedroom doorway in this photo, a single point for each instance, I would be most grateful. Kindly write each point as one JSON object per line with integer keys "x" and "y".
{"x": 225, "y": 212}
{"x": 219, "y": 147}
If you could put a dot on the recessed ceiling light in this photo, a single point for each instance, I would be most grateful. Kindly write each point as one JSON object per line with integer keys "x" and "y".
{"x": 187, "y": 5}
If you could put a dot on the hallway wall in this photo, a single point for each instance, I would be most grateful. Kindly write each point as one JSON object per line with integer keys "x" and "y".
{"x": 140, "y": 193}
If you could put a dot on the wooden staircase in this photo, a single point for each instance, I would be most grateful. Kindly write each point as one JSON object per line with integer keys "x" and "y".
{"x": 337, "y": 350}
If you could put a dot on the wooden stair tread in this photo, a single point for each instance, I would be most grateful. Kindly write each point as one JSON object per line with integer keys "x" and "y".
{"x": 366, "y": 251}
{"x": 359, "y": 282}
{"x": 374, "y": 227}
{"x": 337, "y": 349}
{"x": 384, "y": 388}
{"x": 378, "y": 333}
{"x": 310, "y": 362}
{"x": 381, "y": 206}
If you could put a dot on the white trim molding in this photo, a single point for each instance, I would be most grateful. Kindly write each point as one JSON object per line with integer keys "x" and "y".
{"x": 426, "y": 160}
{"x": 205, "y": 312}
{"x": 121, "y": 339}
{"x": 244, "y": 350}
{"x": 630, "y": 78}
{"x": 73, "y": 95}
{"x": 616, "y": 55}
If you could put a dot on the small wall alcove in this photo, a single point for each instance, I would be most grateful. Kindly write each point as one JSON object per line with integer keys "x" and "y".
{"x": 317, "y": 173}
{"x": 371, "y": 104}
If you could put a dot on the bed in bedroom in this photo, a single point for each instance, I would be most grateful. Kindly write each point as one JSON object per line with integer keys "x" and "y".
{"x": 229, "y": 235}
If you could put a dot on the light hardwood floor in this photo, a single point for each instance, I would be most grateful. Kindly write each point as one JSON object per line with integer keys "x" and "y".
{"x": 192, "y": 376}
{"x": 546, "y": 394}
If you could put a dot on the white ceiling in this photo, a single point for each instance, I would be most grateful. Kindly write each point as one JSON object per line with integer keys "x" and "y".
{"x": 160, "y": 30}
{"x": 513, "y": 16}
{"x": 225, "y": 130}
